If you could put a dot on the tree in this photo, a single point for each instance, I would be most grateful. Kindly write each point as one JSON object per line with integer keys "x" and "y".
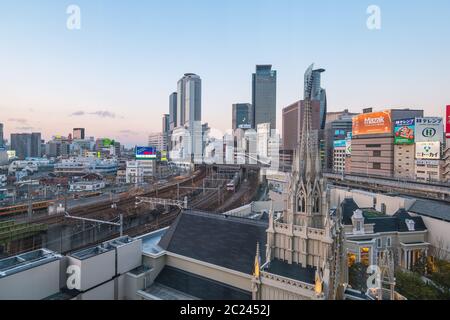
{"x": 412, "y": 287}
{"x": 357, "y": 276}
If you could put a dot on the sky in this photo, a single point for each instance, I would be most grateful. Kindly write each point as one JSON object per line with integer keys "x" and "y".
{"x": 114, "y": 75}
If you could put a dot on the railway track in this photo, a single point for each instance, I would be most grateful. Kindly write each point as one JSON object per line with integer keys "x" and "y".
{"x": 125, "y": 204}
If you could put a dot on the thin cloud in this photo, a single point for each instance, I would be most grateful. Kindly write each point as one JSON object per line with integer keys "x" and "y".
{"x": 104, "y": 114}
{"x": 78, "y": 113}
{"x": 128, "y": 132}
{"x": 26, "y": 128}
{"x": 18, "y": 120}
{"x": 101, "y": 114}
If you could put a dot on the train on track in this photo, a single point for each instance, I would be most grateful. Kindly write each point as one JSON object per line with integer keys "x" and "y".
{"x": 23, "y": 208}
{"x": 234, "y": 183}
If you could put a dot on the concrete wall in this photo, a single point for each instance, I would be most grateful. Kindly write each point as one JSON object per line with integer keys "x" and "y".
{"x": 438, "y": 235}
{"x": 33, "y": 284}
{"x": 367, "y": 199}
{"x": 129, "y": 256}
{"x": 103, "y": 292}
{"x": 95, "y": 270}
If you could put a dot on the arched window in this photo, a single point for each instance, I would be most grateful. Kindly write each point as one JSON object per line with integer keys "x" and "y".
{"x": 316, "y": 203}
{"x": 301, "y": 203}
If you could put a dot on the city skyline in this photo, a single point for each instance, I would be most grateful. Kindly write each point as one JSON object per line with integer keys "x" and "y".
{"x": 114, "y": 75}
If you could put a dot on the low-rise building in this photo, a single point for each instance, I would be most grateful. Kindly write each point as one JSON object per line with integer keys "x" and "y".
{"x": 429, "y": 170}
{"x": 79, "y": 166}
{"x": 140, "y": 171}
{"x": 404, "y": 162}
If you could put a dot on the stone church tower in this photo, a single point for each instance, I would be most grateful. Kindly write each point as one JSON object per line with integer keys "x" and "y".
{"x": 304, "y": 245}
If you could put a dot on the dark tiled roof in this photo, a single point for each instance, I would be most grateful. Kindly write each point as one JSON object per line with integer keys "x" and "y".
{"x": 226, "y": 242}
{"x": 199, "y": 287}
{"x": 348, "y": 207}
{"x": 292, "y": 271}
{"x": 382, "y": 223}
{"x": 430, "y": 208}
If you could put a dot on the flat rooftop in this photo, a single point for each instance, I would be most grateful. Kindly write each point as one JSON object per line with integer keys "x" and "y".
{"x": 26, "y": 261}
{"x": 150, "y": 241}
{"x": 101, "y": 248}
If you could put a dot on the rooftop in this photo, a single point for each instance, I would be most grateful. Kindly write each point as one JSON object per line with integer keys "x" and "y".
{"x": 292, "y": 271}
{"x": 223, "y": 241}
{"x": 433, "y": 209}
{"x": 26, "y": 261}
{"x": 101, "y": 248}
{"x": 175, "y": 284}
{"x": 150, "y": 241}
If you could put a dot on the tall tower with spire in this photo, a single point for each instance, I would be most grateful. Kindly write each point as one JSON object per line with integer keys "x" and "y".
{"x": 303, "y": 240}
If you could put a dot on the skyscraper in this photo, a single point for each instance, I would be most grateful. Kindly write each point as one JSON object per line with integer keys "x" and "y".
{"x": 189, "y": 100}
{"x": 313, "y": 91}
{"x": 36, "y": 145}
{"x": 21, "y": 143}
{"x": 189, "y": 115}
{"x": 264, "y": 96}
{"x": 242, "y": 116}
{"x": 2, "y": 142}
{"x": 78, "y": 133}
{"x": 292, "y": 122}
{"x": 173, "y": 123}
{"x": 165, "y": 124}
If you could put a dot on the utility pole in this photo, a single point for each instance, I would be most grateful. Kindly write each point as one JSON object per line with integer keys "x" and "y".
{"x": 30, "y": 202}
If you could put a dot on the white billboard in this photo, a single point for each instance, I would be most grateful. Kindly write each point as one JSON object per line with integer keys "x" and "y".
{"x": 428, "y": 150}
{"x": 429, "y": 129}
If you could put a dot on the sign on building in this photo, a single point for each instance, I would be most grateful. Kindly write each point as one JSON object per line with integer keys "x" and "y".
{"x": 404, "y": 131}
{"x": 372, "y": 123}
{"x": 339, "y": 143}
{"x": 447, "y": 122}
{"x": 348, "y": 144}
{"x": 145, "y": 153}
{"x": 429, "y": 129}
{"x": 428, "y": 150}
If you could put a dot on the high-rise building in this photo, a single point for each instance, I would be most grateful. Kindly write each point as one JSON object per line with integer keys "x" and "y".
{"x": 2, "y": 142}
{"x": 264, "y": 96}
{"x": 313, "y": 91}
{"x": 26, "y": 144}
{"x": 78, "y": 133}
{"x": 189, "y": 114}
{"x": 337, "y": 127}
{"x": 166, "y": 124}
{"x": 189, "y": 100}
{"x": 36, "y": 144}
{"x": 173, "y": 122}
{"x": 292, "y": 123}
{"x": 242, "y": 116}
{"x": 158, "y": 141}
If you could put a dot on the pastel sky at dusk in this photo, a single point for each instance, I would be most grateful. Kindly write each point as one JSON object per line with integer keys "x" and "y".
{"x": 114, "y": 76}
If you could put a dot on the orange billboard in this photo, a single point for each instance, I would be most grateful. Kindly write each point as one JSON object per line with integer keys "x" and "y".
{"x": 372, "y": 123}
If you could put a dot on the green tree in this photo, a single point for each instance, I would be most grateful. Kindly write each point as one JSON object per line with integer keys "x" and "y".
{"x": 412, "y": 287}
{"x": 357, "y": 276}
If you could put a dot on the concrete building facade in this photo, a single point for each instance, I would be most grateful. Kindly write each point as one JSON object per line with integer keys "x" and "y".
{"x": 264, "y": 96}
{"x": 404, "y": 162}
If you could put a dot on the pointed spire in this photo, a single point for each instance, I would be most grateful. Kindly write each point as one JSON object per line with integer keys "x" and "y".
{"x": 256, "y": 270}
{"x": 271, "y": 216}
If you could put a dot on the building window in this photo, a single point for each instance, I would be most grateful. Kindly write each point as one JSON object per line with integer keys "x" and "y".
{"x": 376, "y": 165}
{"x": 388, "y": 241}
{"x": 377, "y": 153}
{"x": 379, "y": 243}
{"x": 383, "y": 208}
